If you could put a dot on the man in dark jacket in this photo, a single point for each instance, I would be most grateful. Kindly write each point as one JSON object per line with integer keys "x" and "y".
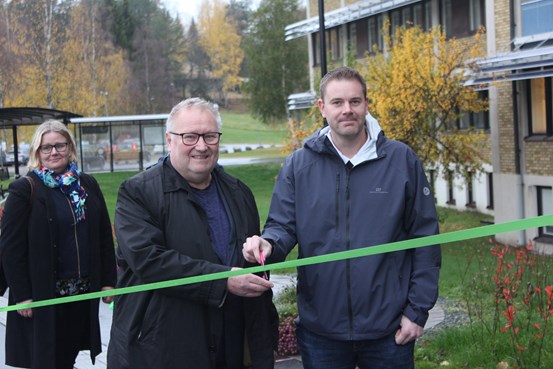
{"x": 350, "y": 187}
{"x": 186, "y": 217}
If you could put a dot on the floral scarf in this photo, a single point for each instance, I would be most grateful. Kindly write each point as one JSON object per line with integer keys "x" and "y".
{"x": 69, "y": 185}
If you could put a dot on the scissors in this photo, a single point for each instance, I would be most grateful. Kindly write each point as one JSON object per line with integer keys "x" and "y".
{"x": 262, "y": 262}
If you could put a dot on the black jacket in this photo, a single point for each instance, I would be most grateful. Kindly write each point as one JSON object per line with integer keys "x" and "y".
{"x": 29, "y": 239}
{"x": 162, "y": 234}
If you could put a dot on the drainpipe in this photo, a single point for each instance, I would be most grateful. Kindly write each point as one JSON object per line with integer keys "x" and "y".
{"x": 521, "y": 239}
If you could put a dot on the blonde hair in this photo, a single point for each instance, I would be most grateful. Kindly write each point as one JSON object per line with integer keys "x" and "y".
{"x": 46, "y": 127}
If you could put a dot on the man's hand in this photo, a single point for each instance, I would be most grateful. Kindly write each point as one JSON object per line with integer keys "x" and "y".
{"x": 408, "y": 331}
{"x": 248, "y": 285}
{"x": 25, "y": 313}
{"x": 253, "y": 246}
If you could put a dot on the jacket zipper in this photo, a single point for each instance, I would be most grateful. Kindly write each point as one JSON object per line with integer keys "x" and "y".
{"x": 348, "y": 246}
{"x": 337, "y": 200}
{"x": 76, "y": 238}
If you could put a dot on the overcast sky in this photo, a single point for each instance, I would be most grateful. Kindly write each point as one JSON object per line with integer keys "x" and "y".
{"x": 188, "y": 9}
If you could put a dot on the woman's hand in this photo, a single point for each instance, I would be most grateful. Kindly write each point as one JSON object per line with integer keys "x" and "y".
{"x": 107, "y": 299}
{"x": 25, "y": 313}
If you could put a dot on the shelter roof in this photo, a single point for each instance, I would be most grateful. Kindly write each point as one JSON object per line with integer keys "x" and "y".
{"x": 32, "y": 116}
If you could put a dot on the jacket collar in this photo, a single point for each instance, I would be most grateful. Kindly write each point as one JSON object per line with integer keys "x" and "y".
{"x": 319, "y": 142}
{"x": 173, "y": 181}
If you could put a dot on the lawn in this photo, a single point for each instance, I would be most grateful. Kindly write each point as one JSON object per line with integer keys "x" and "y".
{"x": 243, "y": 128}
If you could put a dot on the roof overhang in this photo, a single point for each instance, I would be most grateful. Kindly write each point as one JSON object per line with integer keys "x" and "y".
{"x": 300, "y": 101}
{"x": 121, "y": 118}
{"x": 513, "y": 66}
{"x": 347, "y": 14}
{"x": 10, "y": 117}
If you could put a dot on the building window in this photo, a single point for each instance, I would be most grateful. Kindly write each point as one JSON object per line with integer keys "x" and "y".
{"x": 536, "y": 16}
{"x": 333, "y": 45}
{"x": 376, "y": 39}
{"x": 450, "y": 193}
{"x": 490, "y": 191}
{"x": 461, "y": 18}
{"x": 540, "y": 106}
{"x": 545, "y": 206}
{"x": 316, "y": 49}
{"x": 470, "y": 192}
{"x": 412, "y": 15}
{"x": 475, "y": 120}
{"x": 358, "y": 35}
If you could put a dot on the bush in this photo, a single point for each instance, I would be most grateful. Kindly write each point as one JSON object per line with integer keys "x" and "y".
{"x": 288, "y": 312}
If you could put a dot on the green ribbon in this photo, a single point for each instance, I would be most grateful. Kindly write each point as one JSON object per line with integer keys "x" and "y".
{"x": 461, "y": 235}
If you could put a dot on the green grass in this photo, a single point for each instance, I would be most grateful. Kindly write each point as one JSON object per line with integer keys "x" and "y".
{"x": 271, "y": 152}
{"x": 243, "y": 128}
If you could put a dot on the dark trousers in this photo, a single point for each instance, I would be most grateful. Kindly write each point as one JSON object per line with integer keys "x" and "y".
{"x": 72, "y": 332}
{"x": 319, "y": 352}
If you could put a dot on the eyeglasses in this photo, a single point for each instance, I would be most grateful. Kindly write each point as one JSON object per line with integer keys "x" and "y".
{"x": 190, "y": 139}
{"x": 47, "y": 149}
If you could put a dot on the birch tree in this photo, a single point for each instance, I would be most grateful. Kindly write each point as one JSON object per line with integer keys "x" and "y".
{"x": 221, "y": 42}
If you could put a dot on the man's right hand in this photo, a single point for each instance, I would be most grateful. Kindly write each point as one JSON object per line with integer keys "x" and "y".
{"x": 253, "y": 246}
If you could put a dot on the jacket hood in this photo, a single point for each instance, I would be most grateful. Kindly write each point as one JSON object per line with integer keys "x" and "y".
{"x": 316, "y": 142}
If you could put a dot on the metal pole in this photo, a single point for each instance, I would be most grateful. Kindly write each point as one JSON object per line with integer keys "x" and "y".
{"x": 322, "y": 36}
{"x": 323, "y": 43}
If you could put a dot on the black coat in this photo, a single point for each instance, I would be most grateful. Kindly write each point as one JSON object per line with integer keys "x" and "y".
{"x": 162, "y": 234}
{"x": 28, "y": 239}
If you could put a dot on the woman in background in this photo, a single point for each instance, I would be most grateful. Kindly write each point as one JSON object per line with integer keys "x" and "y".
{"x": 57, "y": 241}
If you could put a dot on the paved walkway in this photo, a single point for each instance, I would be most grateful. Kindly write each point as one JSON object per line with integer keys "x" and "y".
{"x": 83, "y": 361}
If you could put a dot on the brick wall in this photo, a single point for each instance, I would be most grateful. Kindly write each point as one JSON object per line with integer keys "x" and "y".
{"x": 504, "y": 99}
{"x": 539, "y": 158}
{"x": 505, "y": 128}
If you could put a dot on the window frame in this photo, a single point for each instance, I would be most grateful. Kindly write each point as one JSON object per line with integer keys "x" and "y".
{"x": 542, "y": 231}
{"x": 459, "y": 17}
{"x": 548, "y": 97}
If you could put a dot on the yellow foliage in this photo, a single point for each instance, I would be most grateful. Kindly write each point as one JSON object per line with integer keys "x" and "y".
{"x": 299, "y": 131}
{"x": 91, "y": 74}
{"x": 221, "y": 41}
{"x": 416, "y": 92}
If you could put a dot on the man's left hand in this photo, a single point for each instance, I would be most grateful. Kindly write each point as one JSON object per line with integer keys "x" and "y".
{"x": 248, "y": 285}
{"x": 408, "y": 331}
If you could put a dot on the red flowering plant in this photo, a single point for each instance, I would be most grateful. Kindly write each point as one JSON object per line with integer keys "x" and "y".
{"x": 288, "y": 312}
{"x": 524, "y": 298}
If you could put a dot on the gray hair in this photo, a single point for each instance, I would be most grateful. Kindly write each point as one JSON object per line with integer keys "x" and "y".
{"x": 51, "y": 125}
{"x": 194, "y": 103}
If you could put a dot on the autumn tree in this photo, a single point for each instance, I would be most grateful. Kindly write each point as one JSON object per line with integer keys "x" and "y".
{"x": 416, "y": 92}
{"x": 38, "y": 27}
{"x": 221, "y": 42}
{"x": 9, "y": 67}
{"x": 196, "y": 81}
{"x": 277, "y": 68}
{"x": 92, "y": 73}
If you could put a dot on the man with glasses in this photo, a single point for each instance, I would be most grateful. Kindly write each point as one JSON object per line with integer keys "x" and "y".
{"x": 186, "y": 217}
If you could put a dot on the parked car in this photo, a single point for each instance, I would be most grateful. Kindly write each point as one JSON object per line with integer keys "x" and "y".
{"x": 21, "y": 157}
{"x": 127, "y": 151}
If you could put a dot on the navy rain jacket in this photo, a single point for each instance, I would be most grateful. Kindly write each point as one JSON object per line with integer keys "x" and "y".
{"x": 325, "y": 207}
